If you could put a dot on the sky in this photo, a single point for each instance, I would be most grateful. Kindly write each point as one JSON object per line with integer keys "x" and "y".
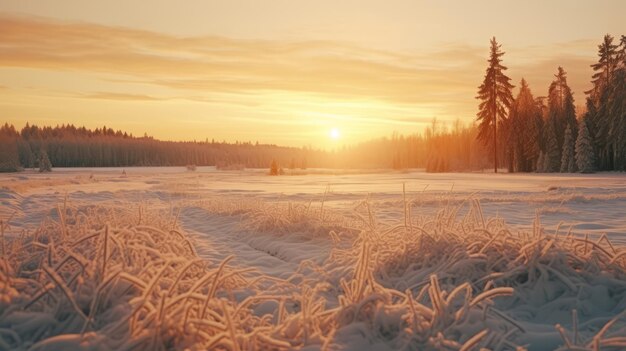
{"x": 318, "y": 73}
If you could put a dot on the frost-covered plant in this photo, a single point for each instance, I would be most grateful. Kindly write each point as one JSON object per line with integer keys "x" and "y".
{"x": 101, "y": 277}
{"x": 44, "y": 162}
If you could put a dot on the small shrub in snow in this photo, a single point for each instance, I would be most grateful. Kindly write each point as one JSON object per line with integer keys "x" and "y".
{"x": 44, "y": 162}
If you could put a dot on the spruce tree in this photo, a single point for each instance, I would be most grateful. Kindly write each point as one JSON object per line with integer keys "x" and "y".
{"x": 568, "y": 161}
{"x": 604, "y": 68}
{"x": 552, "y": 159}
{"x": 524, "y": 129}
{"x": 599, "y": 99}
{"x": 496, "y": 99}
{"x": 615, "y": 112}
{"x": 541, "y": 124}
{"x": 561, "y": 110}
{"x": 621, "y": 55}
{"x": 584, "y": 149}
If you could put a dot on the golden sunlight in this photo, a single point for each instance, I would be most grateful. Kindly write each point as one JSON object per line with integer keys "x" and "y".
{"x": 322, "y": 175}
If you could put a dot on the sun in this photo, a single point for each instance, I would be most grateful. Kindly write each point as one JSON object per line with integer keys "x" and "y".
{"x": 334, "y": 133}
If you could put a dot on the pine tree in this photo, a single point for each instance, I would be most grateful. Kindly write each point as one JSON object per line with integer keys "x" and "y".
{"x": 604, "y": 68}
{"x": 510, "y": 144}
{"x": 611, "y": 113}
{"x": 525, "y": 120}
{"x": 552, "y": 159}
{"x": 615, "y": 111}
{"x": 608, "y": 59}
{"x": 621, "y": 55}
{"x": 568, "y": 161}
{"x": 496, "y": 98}
{"x": 535, "y": 141}
{"x": 561, "y": 110}
{"x": 44, "y": 162}
{"x": 584, "y": 149}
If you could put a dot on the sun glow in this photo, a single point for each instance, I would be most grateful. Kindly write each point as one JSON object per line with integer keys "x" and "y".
{"x": 335, "y": 134}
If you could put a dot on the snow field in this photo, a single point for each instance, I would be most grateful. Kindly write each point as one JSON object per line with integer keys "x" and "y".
{"x": 330, "y": 271}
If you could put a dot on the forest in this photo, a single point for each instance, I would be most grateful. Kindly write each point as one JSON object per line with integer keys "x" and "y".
{"x": 70, "y": 146}
{"x": 525, "y": 133}
{"x": 438, "y": 149}
{"x": 546, "y": 134}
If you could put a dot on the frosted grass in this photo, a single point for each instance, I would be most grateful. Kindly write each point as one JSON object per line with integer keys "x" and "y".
{"x": 130, "y": 278}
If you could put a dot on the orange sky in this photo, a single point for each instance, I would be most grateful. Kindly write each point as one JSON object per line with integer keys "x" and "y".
{"x": 284, "y": 72}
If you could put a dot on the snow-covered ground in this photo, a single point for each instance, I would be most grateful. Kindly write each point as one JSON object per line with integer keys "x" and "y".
{"x": 590, "y": 204}
{"x": 341, "y": 259}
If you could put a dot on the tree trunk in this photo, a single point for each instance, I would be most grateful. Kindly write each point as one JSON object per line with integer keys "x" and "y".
{"x": 495, "y": 134}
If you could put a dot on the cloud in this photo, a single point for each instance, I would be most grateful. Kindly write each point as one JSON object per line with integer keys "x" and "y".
{"x": 215, "y": 64}
{"x": 120, "y": 96}
{"x": 198, "y": 68}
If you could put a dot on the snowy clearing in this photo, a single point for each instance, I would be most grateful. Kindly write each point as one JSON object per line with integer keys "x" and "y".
{"x": 164, "y": 258}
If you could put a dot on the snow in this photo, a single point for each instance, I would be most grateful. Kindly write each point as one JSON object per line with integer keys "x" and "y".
{"x": 324, "y": 259}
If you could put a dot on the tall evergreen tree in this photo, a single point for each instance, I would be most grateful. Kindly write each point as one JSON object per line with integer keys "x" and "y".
{"x": 536, "y": 127}
{"x": 621, "y": 55}
{"x": 525, "y": 122}
{"x": 496, "y": 99}
{"x": 589, "y": 116}
{"x": 615, "y": 112}
{"x": 568, "y": 161}
{"x": 584, "y": 149}
{"x": 604, "y": 68}
{"x": 598, "y": 100}
{"x": 552, "y": 160}
{"x": 561, "y": 110}
{"x": 614, "y": 108}
{"x": 541, "y": 123}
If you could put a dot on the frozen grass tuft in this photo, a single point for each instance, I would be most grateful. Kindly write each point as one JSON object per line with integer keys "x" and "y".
{"x": 95, "y": 279}
{"x": 108, "y": 278}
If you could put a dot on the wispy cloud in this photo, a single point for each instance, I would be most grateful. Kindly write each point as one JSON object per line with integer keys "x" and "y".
{"x": 120, "y": 96}
{"x": 220, "y": 70}
{"x": 214, "y": 64}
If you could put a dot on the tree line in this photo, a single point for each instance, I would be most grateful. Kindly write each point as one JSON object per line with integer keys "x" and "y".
{"x": 543, "y": 134}
{"x": 70, "y": 146}
{"x": 440, "y": 148}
